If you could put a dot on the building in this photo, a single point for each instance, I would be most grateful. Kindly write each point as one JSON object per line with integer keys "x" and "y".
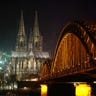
{"x": 28, "y": 56}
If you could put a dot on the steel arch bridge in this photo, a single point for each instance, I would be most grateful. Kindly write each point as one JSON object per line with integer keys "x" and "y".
{"x": 75, "y": 51}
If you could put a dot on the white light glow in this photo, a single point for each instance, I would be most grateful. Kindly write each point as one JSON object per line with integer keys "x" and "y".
{"x": 34, "y": 79}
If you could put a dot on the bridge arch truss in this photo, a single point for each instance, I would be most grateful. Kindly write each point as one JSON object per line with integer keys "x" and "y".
{"x": 75, "y": 50}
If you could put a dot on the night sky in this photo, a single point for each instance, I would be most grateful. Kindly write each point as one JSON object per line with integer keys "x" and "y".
{"x": 52, "y": 14}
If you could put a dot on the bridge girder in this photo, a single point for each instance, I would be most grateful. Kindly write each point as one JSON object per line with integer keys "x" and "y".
{"x": 84, "y": 39}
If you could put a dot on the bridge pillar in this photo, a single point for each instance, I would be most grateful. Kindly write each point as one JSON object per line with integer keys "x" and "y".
{"x": 61, "y": 90}
{"x": 93, "y": 89}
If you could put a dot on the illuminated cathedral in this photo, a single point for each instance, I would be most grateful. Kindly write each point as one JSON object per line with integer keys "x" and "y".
{"x": 28, "y": 56}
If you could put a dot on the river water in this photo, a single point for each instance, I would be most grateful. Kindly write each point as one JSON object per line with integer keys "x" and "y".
{"x": 55, "y": 90}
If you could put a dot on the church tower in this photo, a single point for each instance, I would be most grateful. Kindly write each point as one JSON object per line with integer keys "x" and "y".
{"x": 21, "y": 43}
{"x": 35, "y": 39}
{"x": 26, "y": 63}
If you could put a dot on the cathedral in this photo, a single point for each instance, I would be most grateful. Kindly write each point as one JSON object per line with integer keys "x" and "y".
{"x": 28, "y": 56}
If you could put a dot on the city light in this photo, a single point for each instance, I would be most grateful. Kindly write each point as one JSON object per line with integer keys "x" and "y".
{"x": 83, "y": 90}
{"x": 94, "y": 82}
{"x": 0, "y": 68}
{"x": 34, "y": 79}
{"x": 44, "y": 90}
{"x": 4, "y": 57}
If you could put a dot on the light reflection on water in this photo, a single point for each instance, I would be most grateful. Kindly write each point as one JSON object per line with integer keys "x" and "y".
{"x": 83, "y": 89}
{"x": 44, "y": 90}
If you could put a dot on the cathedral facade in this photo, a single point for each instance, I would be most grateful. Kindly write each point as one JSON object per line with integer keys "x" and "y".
{"x": 28, "y": 56}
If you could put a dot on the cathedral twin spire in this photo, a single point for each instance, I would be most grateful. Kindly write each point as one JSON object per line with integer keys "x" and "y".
{"x": 21, "y": 44}
{"x": 35, "y": 39}
{"x": 36, "y": 26}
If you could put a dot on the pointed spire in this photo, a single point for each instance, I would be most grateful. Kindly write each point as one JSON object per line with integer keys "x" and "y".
{"x": 35, "y": 40}
{"x": 36, "y": 26}
{"x": 21, "y": 44}
{"x": 21, "y": 26}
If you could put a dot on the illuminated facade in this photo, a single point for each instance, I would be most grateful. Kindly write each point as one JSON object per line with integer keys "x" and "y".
{"x": 28, "y": 57}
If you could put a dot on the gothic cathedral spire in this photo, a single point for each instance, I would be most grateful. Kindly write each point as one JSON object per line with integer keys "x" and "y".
{"x": 21, "y": 44}
{"x": 36, "y": 26}
{"x": 35, "y": 40}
